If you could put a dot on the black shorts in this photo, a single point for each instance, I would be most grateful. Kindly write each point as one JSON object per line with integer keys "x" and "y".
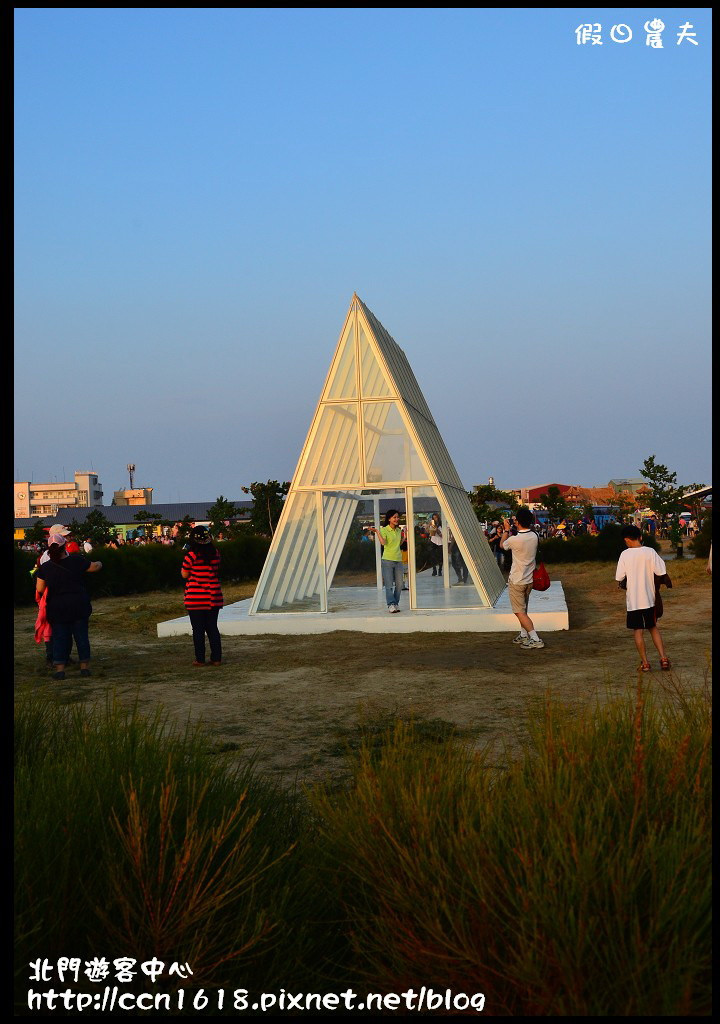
{"x": 643, "y": 618}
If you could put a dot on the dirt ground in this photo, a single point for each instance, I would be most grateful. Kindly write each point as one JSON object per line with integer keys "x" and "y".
{"x": 295, "y": 702}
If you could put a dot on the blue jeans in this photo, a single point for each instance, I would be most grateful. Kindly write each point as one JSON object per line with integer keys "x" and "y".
{"x": 62, "y": 637}
{"x": 392, "y": 574}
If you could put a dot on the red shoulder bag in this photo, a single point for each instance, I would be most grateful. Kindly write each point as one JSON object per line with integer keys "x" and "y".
{"x": 541, "y": 580}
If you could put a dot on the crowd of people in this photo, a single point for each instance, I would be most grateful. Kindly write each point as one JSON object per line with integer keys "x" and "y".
{"x": 64, "y": 607}
{"x": 115, "y": 541}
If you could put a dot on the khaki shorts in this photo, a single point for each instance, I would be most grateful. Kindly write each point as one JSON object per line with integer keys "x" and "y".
{"x": 519, "y": 596}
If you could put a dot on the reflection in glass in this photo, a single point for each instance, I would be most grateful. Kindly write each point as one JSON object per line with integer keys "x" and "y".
{"x": 333, "y": 457}
{"x": 343, "y": 383}
{"x": 293, "y": 580}
{"x": 459, "y": 590}
{"x": 373, "y": 380}
{"x": 389, "y": 450}
{"x": 343, "y": 531}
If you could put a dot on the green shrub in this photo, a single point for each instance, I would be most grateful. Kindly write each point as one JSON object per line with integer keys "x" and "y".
{"x": 611, "y": 545}
{"x": 357, "y": 556}
{"x": 700, "y": 544}
{"x": 576, "y": 549}
{"x": 574, "y": 883}
{"x": 137, "y": 569}
{"x": 607, "y": 546}
{"x": 24, "y": 583}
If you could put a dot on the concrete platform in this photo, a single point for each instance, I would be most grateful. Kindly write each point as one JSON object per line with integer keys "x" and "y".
{"x": 363, "y": 609}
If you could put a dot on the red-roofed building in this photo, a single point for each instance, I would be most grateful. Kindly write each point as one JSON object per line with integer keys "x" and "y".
{"x": 531, "y": 495}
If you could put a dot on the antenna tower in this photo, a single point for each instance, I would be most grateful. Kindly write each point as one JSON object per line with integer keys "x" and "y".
{"x": 131, "y": 471}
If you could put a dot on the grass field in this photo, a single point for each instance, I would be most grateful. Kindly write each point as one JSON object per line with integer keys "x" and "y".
{"x": 297, "y": 702}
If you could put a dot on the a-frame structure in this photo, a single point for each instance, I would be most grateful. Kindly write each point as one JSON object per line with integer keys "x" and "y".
{"x": 372, "y": 432}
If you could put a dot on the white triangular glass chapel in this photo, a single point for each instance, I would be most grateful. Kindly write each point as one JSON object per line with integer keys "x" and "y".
{"x": 372, "y": 434}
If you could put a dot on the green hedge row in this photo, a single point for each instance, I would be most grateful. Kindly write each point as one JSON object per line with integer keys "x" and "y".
{"x": 700, "y": 544}
{"x": 135, "y": 570}
{"x": 607, "y": 546}
{"x": 359, "y": 555}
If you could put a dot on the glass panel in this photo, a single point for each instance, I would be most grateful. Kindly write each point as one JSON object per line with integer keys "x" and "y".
{"x": 430, "y": 590}
{"x": 389, "y": 451}
{"x": 343, "y": 379}
{"x": 294, "y": 577}
{"x": 349, "y": 549}
{"x": 474, "y": 542}
{"x": 374, "y": 383}
{"x": 333, "y": 457}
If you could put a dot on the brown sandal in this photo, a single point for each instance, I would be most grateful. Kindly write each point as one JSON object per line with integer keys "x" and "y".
{"x": 644, "y": 666}
{"x": 665, "y": 664}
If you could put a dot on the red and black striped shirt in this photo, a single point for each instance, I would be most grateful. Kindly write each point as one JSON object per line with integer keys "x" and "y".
{"x": 202, "y": 587}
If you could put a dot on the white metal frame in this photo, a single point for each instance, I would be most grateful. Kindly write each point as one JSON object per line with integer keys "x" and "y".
{"x": 302, "y": 559}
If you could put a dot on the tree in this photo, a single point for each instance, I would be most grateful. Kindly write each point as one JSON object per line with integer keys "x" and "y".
{"x": 665, "y": 496}
{"x": 268, "y": 501}
{"x": 554, "y": 504}
{"x": 485, "y": 493}
{"x": 36, "y": 533}
{"x": 183, "y": 529}
{"x": 221, "y": 517}
{"x": 623, "y": 505}
{"x": 96, "y": 528}
{"x": 151, "y": 520}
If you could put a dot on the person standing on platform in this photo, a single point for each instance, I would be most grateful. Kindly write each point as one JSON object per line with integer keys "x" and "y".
{"x": 494, "y": 535}
{"x": 391, "y": 538}
{"x": 203, "y": 596}
{"x": 436, "y": 539}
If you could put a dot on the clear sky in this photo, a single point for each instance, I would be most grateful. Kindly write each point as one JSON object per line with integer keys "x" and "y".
{"x": 199, "y": 192}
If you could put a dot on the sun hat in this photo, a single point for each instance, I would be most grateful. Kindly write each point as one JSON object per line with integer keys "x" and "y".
{"x": 200, "y": 535}
{"x": 59, "y": 528}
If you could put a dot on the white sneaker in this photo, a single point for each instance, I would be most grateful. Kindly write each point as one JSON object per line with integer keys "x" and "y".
{"x": 529, "y": 643}
{"x": 396, "y": 608}
{"x": 520, "y": 638}
{"x": 391, "y": 608}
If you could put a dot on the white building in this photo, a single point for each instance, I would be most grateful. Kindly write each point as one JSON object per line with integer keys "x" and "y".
{"x": 46, "y": 499}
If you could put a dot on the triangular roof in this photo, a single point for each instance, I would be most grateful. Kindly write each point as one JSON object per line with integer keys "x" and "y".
{"x": 372, "y": 430}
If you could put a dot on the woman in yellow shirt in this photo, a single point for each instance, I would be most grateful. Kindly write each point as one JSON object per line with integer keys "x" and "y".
{"x": 391, "y": 536}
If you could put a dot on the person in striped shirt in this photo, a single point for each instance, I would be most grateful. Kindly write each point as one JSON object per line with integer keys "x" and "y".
{"x": 203, "y": 596}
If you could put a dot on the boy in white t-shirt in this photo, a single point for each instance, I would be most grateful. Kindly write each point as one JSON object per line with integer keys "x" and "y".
{"x": 636, "y": 571}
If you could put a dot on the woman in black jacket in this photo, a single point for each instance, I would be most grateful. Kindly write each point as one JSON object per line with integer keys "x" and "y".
{"x": 68, "y": 607}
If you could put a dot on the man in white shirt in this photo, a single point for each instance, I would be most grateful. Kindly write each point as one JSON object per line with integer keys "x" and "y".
{"x": 636, "y": 571}
{"x": 524, "y": 547}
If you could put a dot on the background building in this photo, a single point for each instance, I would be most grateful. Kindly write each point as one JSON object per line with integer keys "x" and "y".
{"x": 531, "y": 495}
{"x": 46, "y": 499}
{"x": 133, "y": 496}
{"x": 123, "y": 518}
{"x": 631, "y": 484}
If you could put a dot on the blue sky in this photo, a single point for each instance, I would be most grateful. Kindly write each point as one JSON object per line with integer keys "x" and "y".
{"x": 199, "y": 192}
